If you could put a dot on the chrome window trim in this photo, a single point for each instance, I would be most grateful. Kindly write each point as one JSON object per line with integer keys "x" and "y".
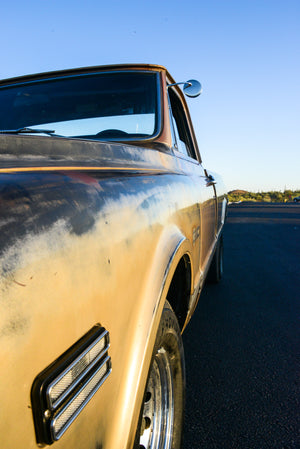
{"x": 173, "y": 125}
{"x": 185, "y": 157}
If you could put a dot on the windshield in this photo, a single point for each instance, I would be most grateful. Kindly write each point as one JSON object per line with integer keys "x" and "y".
{"x": 109, "y": 106}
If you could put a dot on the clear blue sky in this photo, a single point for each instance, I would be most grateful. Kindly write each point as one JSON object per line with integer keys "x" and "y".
{"x": 246, "y": 54}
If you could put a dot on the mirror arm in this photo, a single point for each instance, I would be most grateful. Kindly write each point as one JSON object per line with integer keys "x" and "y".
{"x": 191, "y": 88}
{"x": 176, "y": 84}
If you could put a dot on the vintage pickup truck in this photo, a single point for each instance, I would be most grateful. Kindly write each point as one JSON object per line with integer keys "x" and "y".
{"x": 109, "y": 226}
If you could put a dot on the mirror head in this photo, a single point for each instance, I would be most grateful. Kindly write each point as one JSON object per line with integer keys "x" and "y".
{"x": 192, "y": 88}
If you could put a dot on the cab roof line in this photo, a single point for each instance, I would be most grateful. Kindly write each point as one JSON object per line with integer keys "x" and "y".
{"x": 84, "y": 70}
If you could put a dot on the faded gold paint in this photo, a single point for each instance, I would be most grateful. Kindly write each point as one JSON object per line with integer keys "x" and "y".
{"x": 60, "y": 289}
{"x": 117, "y": 274}
{"x": 63, "y": 285}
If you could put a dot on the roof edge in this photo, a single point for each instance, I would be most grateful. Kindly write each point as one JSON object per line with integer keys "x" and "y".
{"x": 83, "y": 70}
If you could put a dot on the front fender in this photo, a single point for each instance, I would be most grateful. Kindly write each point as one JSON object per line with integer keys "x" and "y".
{"x": 171, "y": 248}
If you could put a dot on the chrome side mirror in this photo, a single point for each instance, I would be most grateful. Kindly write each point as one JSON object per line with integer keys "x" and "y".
{"x": 191, "y": 88}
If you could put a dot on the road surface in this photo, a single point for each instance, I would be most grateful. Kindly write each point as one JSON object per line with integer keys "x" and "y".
{"x": 243, "y": 344}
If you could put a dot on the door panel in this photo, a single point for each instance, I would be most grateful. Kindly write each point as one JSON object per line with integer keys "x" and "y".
{"x": 208, "y": 222}
{"x": 184, "y": 146}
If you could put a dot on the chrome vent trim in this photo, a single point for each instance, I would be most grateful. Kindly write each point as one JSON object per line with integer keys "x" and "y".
{"x": 80, "y": 368}
{"x": 64, "y": 418}
{"x": 61, "y": 391}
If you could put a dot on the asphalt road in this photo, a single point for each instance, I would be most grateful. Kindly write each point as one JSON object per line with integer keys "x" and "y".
{"x": 243, "y": 344}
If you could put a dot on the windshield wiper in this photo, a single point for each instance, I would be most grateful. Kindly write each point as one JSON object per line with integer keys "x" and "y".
{"x": 28, "y": 131}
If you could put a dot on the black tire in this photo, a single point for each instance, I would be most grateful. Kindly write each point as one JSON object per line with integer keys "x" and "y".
{"x": 215, "y": 271}
{"x": 162, "y": 413}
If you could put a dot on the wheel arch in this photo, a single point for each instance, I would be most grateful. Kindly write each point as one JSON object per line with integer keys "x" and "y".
{"x": 172, "y": 261}
{"x": 180, "y": 289}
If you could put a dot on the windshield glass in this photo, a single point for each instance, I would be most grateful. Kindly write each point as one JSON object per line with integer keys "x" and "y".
{"x": 109, "y": 106}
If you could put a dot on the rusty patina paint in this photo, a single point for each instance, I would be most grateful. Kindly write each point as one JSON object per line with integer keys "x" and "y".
{"x": 93, "y": 232}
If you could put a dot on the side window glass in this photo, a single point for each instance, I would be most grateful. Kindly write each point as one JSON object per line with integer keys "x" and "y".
{"x": 177, "y": 142}
{"x": 181, "y": 133}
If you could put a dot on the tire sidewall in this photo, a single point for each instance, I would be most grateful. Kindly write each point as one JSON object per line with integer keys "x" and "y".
{"x": 169, "y": 338}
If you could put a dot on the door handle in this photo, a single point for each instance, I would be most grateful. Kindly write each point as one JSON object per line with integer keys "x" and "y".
{"x": 210, "y": 180}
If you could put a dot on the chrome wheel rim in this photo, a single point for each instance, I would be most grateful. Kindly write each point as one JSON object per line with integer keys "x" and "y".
{"x": 158, "y": 409}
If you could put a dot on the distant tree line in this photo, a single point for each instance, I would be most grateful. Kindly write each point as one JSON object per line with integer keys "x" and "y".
{"x": 270, "y": 197}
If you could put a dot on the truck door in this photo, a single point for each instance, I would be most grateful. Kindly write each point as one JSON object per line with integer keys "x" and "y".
{"x": 185, "y": 147}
